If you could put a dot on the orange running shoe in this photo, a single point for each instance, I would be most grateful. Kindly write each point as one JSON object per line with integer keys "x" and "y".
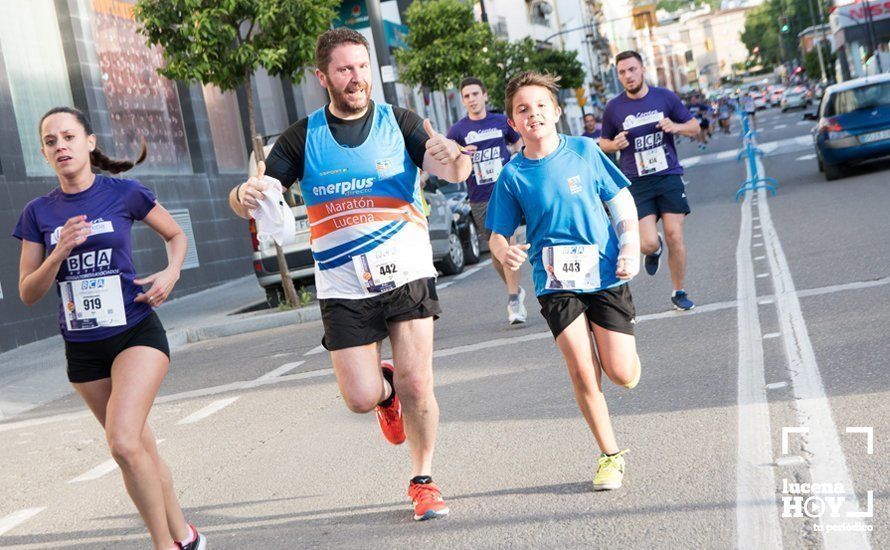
{"x": 390, "y": 418}
{"x": 428, "y": 501}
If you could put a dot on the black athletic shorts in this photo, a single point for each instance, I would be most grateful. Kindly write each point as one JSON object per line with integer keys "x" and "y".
{"x": 350, "y": 323}
{"x": 704, "y": 123}
{"x": 610, "y": 308}
{"x": 89, "y": 361}
{"x": 659, "y": 195}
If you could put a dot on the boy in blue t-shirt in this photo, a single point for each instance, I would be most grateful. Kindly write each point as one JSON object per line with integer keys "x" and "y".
{"x": 581, "y": 262}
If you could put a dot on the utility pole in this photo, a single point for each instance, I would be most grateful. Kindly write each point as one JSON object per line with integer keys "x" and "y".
{"x": 387, "y": 70}
{"x": 483, "y": 14}
{"x": 818, "y": 42}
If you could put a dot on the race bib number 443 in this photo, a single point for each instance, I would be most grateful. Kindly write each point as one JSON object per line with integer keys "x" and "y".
{"x": 93, "y": 303}
{"x": 573, "y": 267}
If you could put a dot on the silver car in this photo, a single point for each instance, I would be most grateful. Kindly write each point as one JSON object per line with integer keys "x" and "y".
{"x": 795, "y": 98}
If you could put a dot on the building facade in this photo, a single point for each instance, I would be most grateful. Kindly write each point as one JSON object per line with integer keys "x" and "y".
{"x": 88, "y": 54}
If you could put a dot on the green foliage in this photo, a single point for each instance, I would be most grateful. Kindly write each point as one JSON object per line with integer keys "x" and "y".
{"x": 446, "y": 43}
{"x": 511, "y": 58}
{"x": 811, "y": 63}
{"x": 222, "y": 42}
{"x": 763, "y": 28}
{"x": 443, "y": 45}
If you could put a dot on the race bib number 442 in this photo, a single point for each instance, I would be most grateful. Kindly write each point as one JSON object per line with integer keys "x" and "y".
{"x": 380, "y": 271}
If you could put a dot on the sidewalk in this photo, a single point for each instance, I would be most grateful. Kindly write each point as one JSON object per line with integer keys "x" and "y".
{"x": 34, "y": 374}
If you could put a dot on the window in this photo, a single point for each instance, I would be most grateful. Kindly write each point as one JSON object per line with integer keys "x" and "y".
{"x": 864, "y": 97}
{"x": 141, "y": 104}
{"x": 226, "y": 129}
{"x": 35, "y": 65}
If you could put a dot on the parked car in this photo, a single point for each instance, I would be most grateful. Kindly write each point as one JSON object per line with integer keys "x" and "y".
{"x": 759, "y": 100}
{"x": 453, "y": 236}
{"x": 775, "y": 98}
{"x": 794, "y": 98}
{"x": 297, "y": 255}
{"x": 458, "y": 203}
{"x": 853, "y": 124}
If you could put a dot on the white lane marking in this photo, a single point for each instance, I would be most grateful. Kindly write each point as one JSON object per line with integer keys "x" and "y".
{"x": 757, "y": 523}
{"x": 726, "y": 154}
{"x": 762, "y": 275}
{"x": 757, "y": 235}
{"x": 475, "y": 269}
{"x": 283, "y": 369}
{"x": 779, "y": 126}
{"x": 811, "y": 156}
{"x": 105, "y": 468}
{"x": 827, "y": 462}
{"x": 316, "y": 350}
{"x": 765, "y": 301}
{"x": 467, "y": 273}
{"x": 690, "y": 161}
{"x": 760, "y": 258}
{"x": 804, "y": 123}
{"x": 757, "y": 245}
{"x": 769, "y": 335}
{"x": 102, "y": 469}
{"x": 16, "y": 518}
{"x": 790, "y": 460}
{"x": 776, "y": 385}
{"x": 248, "y": 384}
{"x": 444, "y": 285}
{"x": 212, "y": 408}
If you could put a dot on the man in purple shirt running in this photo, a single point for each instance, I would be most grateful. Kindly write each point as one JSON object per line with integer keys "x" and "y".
{"x": 641, "y": 123}
{"x": 494, "y": 141}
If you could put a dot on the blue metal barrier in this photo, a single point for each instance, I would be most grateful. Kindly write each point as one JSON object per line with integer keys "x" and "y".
{"x": 751, "y": 151}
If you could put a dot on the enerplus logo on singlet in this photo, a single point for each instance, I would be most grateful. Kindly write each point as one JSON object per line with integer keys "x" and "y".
{"x": 354, "y": 186}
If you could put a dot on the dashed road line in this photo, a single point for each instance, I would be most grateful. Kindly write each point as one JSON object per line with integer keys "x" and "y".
{"x": 283, "y": 369}
{"x": 212, "y": 408}
{"x": 102, "y": 469}
{"x": 15, "y": 519}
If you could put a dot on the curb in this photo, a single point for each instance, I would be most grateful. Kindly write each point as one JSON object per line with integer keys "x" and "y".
{"x": 184, "y": 336}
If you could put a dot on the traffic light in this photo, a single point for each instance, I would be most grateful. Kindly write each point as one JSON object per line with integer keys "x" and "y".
{"x": 784, "y": 27}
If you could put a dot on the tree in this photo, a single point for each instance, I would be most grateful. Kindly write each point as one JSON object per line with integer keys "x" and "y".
{"x": 763, "y": 27}
{"x": 444, "y": 44}
{"x": 508, "y": 59}
{"x": 224, "y": 42}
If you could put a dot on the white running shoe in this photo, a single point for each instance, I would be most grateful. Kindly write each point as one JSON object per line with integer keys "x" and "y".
{"x": 516, "y": 312}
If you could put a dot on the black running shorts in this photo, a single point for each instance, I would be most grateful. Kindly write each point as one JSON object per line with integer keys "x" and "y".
{"x": 89, "y": 361}
{"x": 659, "y": 195}
{"x": 610, "y": 308}
{"x": 351, "y": 323}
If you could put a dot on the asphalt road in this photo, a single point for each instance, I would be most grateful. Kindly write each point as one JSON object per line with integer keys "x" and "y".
{"x": 790, "y": 332}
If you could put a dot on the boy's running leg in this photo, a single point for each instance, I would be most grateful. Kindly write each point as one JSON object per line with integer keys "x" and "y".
{"x": 577, "y": 349}
{"x": 618, "y": 355}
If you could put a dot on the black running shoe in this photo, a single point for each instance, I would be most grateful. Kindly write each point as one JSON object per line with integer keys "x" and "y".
{"x": 652, "y": 261}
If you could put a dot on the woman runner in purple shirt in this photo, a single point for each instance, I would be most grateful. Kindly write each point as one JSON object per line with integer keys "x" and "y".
{"x": 79, "y": 236}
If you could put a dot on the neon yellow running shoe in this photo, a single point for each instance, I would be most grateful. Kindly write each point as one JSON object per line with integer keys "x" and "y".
{"x": 609, "y": 472}
{"x": 636, "y": 380}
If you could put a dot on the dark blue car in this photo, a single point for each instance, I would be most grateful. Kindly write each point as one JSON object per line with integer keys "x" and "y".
{"x": 853, "y": 124}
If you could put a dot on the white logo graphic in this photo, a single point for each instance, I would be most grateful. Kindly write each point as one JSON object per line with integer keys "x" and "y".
{"x": 355, "y": 186}
{"x": 484, "y": 135}
{"x": 642, "y": 119}
{"x": 817, "y": 500}
{"x": 97, "y": 227}
{"x": 575, "y": 184}
{"x": 90, "y": 260}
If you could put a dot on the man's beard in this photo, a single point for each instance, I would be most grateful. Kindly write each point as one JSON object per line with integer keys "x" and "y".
{"x": 354, "y": 107}
{"x": 634, "y": 91}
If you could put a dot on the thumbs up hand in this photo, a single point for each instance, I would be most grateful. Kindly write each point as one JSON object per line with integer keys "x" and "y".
{"x": 438, "y": 146}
